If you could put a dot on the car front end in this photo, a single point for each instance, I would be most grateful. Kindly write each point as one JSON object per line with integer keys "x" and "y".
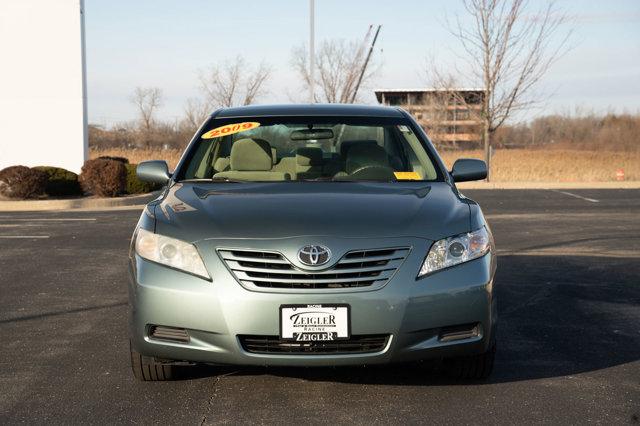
{"x": 310, "y": 273}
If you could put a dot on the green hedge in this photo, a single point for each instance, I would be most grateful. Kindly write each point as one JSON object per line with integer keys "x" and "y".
{"x": 60, "y": 182}
{"x": 135, "y": 185}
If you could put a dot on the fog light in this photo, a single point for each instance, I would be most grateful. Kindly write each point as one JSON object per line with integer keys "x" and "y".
{"x": 459, "y": 332}
{"x": 169, "y": 333}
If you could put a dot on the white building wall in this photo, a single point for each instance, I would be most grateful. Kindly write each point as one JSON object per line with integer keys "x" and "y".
{"x": 43, "y": 115}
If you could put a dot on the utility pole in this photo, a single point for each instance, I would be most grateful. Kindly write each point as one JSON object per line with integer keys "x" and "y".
{"x": 312, "y": 51}
{"x": 364, "y": 66}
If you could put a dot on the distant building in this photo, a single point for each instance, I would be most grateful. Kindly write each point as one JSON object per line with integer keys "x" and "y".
{"x": 450, "y": 116}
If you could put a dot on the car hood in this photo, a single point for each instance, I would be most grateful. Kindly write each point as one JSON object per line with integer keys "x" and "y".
{"x": 197, "y": 211}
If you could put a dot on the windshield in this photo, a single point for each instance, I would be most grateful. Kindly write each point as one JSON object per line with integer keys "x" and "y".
{"x": 308, "y": 149}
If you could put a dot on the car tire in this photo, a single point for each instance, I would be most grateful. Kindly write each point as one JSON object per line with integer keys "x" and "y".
{"x": 146, "y": 369}
{"x": 475, "y": 367}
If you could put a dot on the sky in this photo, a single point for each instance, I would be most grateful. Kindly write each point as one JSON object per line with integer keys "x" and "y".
{"x": 166, "y": 43}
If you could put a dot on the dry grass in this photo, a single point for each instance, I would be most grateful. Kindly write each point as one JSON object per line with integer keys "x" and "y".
{"x": 537, "y": 165}
{"x": 513, "y": 165}
{"x": 135, "y": 156}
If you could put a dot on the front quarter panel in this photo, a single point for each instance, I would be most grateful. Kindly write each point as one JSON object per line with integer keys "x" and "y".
{"x": 147, "y": 221}
{"x": 476, "y": 218}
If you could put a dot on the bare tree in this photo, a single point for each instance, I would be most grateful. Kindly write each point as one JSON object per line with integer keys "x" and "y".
{"x": 147, "y": 100}
{"x": 339, "y": 64}
{"x": 508, "y": 49}
{"x": 440, "y": 104}
{"x": 445, "y": 104}
{"x": 234, "y": 83}
{"x": 195, "y": 112}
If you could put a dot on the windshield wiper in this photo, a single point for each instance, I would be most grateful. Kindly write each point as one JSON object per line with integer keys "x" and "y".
{"x": 318, "y": 179}
{"x": 226, "y": 179}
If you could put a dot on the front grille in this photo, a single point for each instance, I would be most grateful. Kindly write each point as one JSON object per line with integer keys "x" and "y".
{"x": 360, "y": 268}
{"x": 273, "y": 344}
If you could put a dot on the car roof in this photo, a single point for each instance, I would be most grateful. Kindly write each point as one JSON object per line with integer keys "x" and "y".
{"x": 308, "y": 110}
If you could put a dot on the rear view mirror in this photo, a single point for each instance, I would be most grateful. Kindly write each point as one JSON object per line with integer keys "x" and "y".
{"x": 466, "y": 169}
{"x": 311, "y": 134}
{"x": 155, "y": 171}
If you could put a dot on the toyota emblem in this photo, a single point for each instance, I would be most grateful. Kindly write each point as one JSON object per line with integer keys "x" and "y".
{"x": 314, "y": 255}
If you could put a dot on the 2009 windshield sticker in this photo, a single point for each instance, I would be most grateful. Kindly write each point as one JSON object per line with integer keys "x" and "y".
{"x": 407, "y": 176}
{"x": 230, "y": 129}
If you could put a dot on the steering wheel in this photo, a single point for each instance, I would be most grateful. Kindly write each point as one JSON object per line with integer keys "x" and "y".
{"x": 373, "y": 173}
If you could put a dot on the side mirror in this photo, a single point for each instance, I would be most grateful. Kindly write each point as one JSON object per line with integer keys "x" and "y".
{"x": 466, "y": 169}
{"x": 155, "y": 171}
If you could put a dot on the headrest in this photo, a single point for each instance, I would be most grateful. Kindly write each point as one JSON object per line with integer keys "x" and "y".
{"x": 366, "y": 155}
{"x": 251, "y": 155}
{"x": 345, "y": 146}
{"x": 309, "y": 157}
{"x": 221, "y": 164}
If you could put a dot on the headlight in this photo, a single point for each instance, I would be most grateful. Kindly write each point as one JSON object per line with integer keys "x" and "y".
{"x": 171, "y": 252}
{"x": 454, "y": 250}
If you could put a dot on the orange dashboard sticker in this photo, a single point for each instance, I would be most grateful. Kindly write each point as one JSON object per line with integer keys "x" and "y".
{"x": 407, "y": 176}
{"x": 230, "y": 129}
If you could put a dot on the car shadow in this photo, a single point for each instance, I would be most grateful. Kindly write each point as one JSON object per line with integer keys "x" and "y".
{"x": 558, "y": 316}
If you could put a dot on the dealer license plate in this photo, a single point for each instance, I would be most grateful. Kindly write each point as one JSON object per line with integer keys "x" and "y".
{"x": 314, "y": 323}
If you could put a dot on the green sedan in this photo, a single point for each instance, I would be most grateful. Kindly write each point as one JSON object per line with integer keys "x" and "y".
{"x": 311, "y": 235}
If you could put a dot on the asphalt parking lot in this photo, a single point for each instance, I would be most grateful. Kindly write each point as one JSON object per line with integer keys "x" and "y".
{"x": 568, "y": 285}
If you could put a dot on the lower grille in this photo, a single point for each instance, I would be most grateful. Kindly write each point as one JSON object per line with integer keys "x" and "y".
{"x": 273, "y": 344}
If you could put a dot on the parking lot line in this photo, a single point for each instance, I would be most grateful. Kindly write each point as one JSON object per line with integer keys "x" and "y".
{"x": 21, "y": 219}
{"x": 21, "y": 225}
{"x": 11, "y": 237}
{"x": 592, "y": 200}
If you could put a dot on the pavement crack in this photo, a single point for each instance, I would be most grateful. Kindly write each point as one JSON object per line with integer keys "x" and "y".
{"x": 64, "y": 312}
{"x": 210, "y": 402}
{"x": 542, "y": 294}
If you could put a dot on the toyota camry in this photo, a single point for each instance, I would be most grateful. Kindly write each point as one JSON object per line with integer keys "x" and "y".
{"x": 311, "y": 235}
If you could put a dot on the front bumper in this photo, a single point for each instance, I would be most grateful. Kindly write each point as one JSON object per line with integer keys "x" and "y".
{"x": 215, "y": 313}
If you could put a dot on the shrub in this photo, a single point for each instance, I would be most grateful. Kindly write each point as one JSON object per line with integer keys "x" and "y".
{"x": 60, "y": 182}
{"x": 22, "y": 182}
{"x": 103, "y": 177}
{"x": 135, "y": 185}
{"x": 114, "y": 158}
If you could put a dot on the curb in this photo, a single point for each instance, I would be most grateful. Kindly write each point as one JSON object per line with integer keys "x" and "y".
{"x": 550, "y": 185}
{"x": 135, "y": 201}
{"x": 138, "y": 201}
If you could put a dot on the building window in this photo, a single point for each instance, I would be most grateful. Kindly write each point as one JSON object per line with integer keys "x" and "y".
{"x": 462, "y": 115}
{"x": 395, "y": 100}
